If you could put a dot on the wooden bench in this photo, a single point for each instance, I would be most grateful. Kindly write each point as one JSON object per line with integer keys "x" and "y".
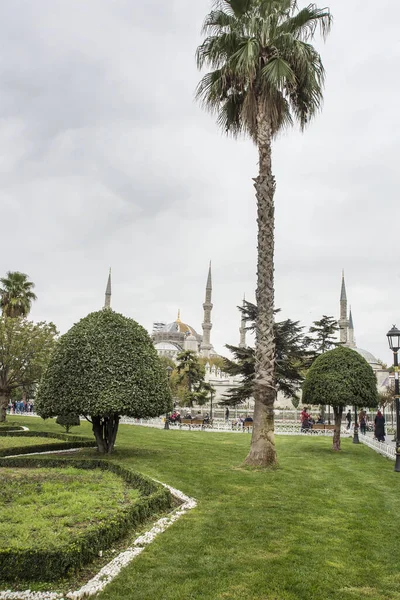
{"x": 193, "y": 423}
{"x": 247, "y": 425}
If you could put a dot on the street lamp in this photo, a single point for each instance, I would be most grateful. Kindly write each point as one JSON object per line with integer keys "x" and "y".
{"x": 169, "y": 371}
{"x": 393, "y": 337}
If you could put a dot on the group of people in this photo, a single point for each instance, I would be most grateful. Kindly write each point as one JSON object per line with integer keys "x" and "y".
{"x": 307, "y": 421}
{"x": 175, "y": 417}
{"x": 20, "y": 407}
{"x": 379, "y": 424}
{"x": 242, "y": 421}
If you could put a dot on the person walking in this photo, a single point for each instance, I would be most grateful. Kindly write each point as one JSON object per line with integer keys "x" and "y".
{"x": 380, "y": 427}
{"x": 348, "y": 419}
{"x": 363, "y": 422}
{"x": 227, "y": 414}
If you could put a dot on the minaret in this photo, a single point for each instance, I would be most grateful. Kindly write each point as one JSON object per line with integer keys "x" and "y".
{"x": 242, "y": 330}
{"x": 343, "y": 322}
{"x": 107, "y": 300}
{"x": 205, "y": 345}
{"x": 351, "y": 343}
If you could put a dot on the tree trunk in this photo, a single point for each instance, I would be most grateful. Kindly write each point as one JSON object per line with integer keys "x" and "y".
{"x": 262, "y": 449}
{"x": 105, "y": 431}
{"x": 3, "y": 406}
{"x": 338, "y": 413}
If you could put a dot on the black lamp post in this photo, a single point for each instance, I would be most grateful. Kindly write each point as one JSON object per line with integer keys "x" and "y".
{"x": 169, "y": 371}
{"x": 393, "y": 337}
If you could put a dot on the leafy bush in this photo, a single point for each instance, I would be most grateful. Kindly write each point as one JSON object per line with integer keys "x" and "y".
{"x": 105, "y": 366}
{"x": 340, "y": 377}
{"x": 48, "y": 565}
{"x": 68, "y": 421}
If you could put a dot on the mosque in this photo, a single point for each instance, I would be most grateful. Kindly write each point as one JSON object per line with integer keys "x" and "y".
{"x": 347, "y": 338}
{"x": 172, "y": 338}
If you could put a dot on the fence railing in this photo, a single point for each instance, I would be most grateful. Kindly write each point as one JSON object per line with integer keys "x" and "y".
{"x": 381, "y": 447}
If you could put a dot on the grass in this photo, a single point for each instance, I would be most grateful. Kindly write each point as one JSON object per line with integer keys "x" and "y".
{"x": 45, "y": 507}
{"x": 322, "y": 526}
{"x": 18, "y": 442}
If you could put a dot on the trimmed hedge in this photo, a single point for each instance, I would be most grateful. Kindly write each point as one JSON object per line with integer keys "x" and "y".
{"x": 45, "y": 434}
{"x": 7, "y": 428}
{"x": 71, "y": 442}
{"x": 48, "y": 565}
{"x": 44, "y": 448}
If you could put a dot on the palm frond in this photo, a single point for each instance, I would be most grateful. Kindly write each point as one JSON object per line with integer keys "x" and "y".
{"x": 277, "y": 73}
{"x": 304, "y": 23}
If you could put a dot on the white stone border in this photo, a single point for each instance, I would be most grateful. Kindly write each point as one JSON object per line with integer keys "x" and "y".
{"x": 112, "y": 569}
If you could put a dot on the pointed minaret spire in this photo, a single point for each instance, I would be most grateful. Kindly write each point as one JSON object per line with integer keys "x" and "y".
{"x": 343, "y": 322}
{"x": 242, "y": 330}
{"x": 206, "y": 345}
{"x": 343, "y": 296}
{"x": 351, "y": 340}
{"x": 107, "y": 300}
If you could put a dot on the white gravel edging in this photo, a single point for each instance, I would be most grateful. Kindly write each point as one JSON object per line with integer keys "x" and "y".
{"x": 113, "y": 568}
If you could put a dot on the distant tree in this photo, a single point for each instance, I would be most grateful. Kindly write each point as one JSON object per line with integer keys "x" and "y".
{"x": 190, "y": 378}
{"x": 214, "y": 361}
{"x": 167, "y": 362}
{"x": 292, "y": 356}
{"x": 209, "y": 393}
{"x": 324, "y": 334}
{"x": 104, "y": 367}
{"x": 296, "y": 401}
{"x": 386, "y": 397}
{"x": 25, "y": 350}
{"x": 16, "y": 294}
{"x": 340, "y": 377}
{"x": 68, "y": 421}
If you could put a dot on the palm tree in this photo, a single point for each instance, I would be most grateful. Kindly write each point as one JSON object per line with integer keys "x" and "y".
{"x": 264, "y": 76}
{"x": 16, "y": 294}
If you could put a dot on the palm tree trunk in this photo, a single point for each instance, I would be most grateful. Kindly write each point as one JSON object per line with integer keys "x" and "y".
{"x": 262, "y": 449}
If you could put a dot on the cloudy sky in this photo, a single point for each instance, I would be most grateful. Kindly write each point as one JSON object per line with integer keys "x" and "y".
{"x": 106, "y": 160}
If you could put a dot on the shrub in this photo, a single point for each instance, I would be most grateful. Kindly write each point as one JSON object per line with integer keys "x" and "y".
{"x": 105, "y": 366}
{"x": 340, "y": 377}
{"x": 68, "y": 421}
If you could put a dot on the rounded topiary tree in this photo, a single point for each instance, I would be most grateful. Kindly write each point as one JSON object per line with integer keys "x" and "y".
{"x": 104, "y": 367}
{"x": 340, "y": 377}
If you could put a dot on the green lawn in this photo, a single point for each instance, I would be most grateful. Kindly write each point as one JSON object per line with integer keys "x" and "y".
{"x": 45, "y": 507}
{"x": 17, "y": 442}
{"x": 323, "y": 526}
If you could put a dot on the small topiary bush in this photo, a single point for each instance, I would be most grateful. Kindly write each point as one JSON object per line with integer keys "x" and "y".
{"x": 52, "y": 564}
{"x": 68, "y": 421}
{"x": 103, "y": 368}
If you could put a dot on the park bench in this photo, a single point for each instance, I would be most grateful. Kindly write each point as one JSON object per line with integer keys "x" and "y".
{"x": 247, "y": 425}
{"x": 321, "y": 427}
{"x": 195, "y": 423}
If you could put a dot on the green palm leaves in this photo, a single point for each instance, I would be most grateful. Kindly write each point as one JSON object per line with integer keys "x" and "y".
{"x": 16, "y": 295}
{"x": 259, "y": 53}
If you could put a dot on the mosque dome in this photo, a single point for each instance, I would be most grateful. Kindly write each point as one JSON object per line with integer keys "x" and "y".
{"x": 179, "y": 327}
{"x": 166, "y": 347}
{"x": 370, "y": 358}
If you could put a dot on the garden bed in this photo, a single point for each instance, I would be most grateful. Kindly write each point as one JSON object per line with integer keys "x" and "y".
{"x": 57, "y": 515}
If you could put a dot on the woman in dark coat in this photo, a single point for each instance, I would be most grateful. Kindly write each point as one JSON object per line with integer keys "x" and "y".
{"x": 380, "y": 427}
